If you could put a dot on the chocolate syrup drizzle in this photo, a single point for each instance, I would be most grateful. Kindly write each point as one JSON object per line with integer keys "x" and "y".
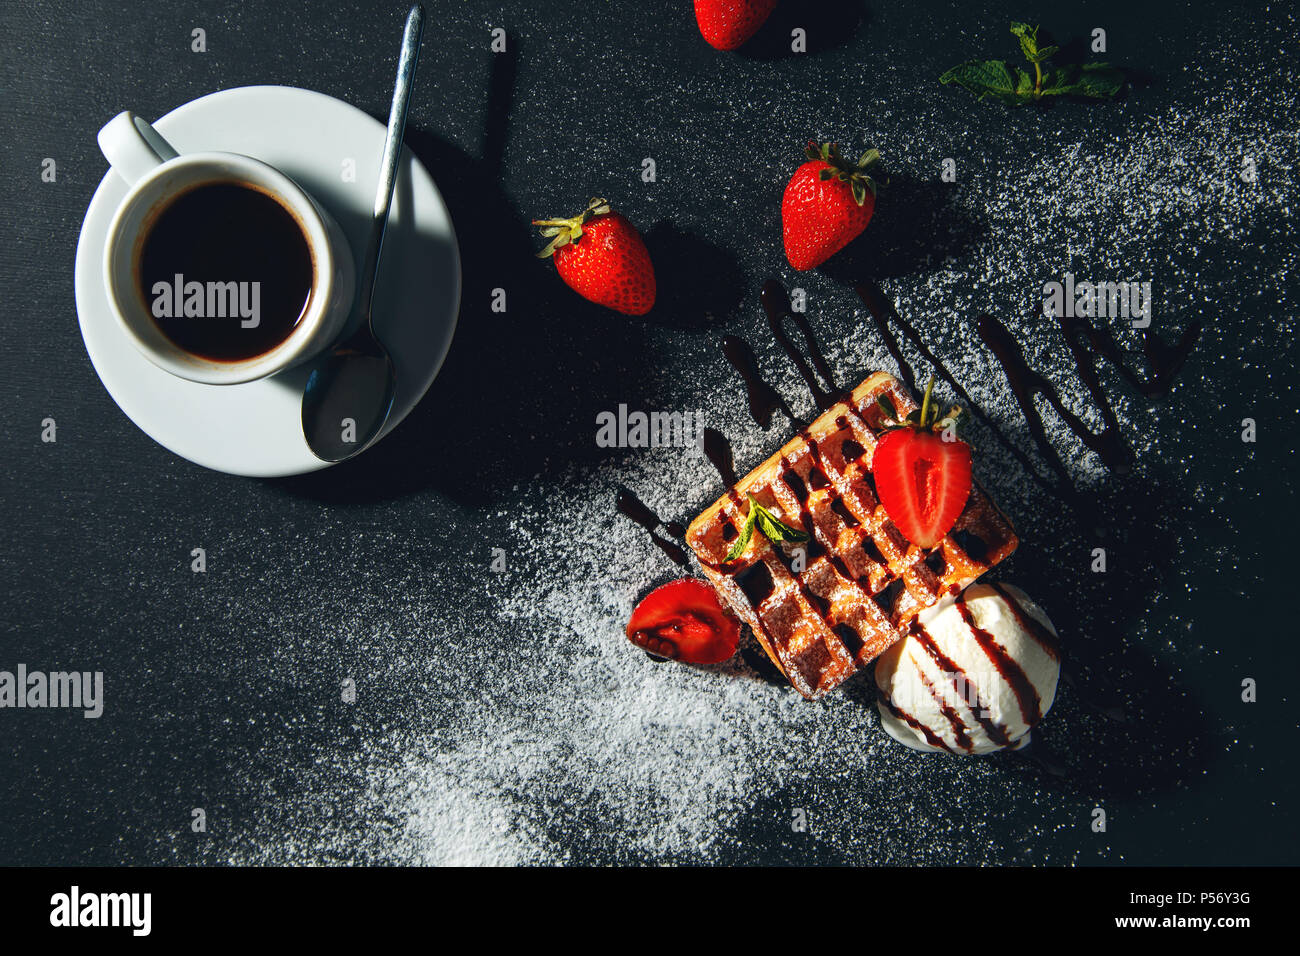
{"x": 962, "y": 685}
{"x": 777, "y": 306}
{"x": 1027, "y": 699}
{"x": 718, "y": 450}
{"x": 633, "y": 507}
{"x": 933, "y": 739}
{"x": 1006, "y": 666}
{"x": 1029, "y": 624}
{"x": 950, "y": 714}
{"x": 763, "y": 398}
{"x": 1087, "y": 343}
{"x": 1026, "y": 383}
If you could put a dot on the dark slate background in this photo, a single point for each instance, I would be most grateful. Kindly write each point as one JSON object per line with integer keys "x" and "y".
{"x": 97, "y": 529}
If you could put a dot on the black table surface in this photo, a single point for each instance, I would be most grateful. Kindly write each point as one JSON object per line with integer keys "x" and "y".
{"x": 500, "y": 716}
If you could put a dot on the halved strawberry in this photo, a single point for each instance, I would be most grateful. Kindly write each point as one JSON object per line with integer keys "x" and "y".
{"x": 684, "y": 621}
{"x": 922, "y": 473}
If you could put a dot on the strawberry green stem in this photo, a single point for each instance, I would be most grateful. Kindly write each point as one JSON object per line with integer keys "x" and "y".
{"x": 563, "y": 231}
{"x": 925, "y": 403}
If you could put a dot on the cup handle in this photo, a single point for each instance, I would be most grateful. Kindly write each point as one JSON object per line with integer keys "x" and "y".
{"x": 133, "y": 147}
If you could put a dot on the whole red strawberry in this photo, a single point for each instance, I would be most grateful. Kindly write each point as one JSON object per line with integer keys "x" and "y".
{"x": 827, "y": 204}
{"x": 684, "y": 621}
{"x": 601, "y": 256}
{"x": 922, "y": 472}
{"x": 727, "y": 24}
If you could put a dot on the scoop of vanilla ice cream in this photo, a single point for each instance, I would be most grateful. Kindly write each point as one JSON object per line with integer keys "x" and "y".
{"x": 973, "y": 675}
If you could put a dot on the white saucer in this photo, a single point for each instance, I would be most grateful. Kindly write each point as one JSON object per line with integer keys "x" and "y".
{"x": 255, "y": 429}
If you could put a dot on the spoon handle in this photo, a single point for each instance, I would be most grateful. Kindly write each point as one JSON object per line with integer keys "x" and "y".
{"x": 406, "y": 65}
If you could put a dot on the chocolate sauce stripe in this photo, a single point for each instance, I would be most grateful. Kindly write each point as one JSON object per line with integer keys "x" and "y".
{"x": 761, "y": 397}
{"x": 1025, "y": 384}
{"x": 776, "y": 304}
{"x": 1165, "y": 361}
{"x": 883, "y": 313}
{"x": 1087, "y": 344}
{"x": 1026, "y": 694}
{"x": 1087, "y": 369}
{"x": 930, "y": 736}
{"x": 718, "y": 450}
{"x": 633, "y": 507}
{"x": 1041, "y": 635}
{"x": 954, "y": 719}
{"x": 998, "y": 734}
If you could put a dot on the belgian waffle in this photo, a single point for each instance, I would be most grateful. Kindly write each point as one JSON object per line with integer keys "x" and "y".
{"x": 858, "y": 583}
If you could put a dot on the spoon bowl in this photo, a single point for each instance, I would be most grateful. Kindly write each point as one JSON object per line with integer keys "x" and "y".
{"x": 346, "y": 402}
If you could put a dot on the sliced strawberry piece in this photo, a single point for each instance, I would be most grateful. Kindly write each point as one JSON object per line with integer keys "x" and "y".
{"x": 922, "y": 479}
{"x": 923, "y": 482}
{"x": 684, "y": 621}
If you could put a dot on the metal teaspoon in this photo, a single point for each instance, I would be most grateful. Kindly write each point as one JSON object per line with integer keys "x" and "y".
{"x": 357, "y": 379}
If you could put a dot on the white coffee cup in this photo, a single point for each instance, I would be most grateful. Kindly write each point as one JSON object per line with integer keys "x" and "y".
{"x": 157, "y": 174}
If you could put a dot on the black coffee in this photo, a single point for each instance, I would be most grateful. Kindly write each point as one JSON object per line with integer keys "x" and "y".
{"x": 226, "y": 271}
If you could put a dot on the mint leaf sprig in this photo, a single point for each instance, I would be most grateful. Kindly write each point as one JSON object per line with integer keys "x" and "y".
{"x": 1015, "y": 86}
{"x": 772, "y": 528}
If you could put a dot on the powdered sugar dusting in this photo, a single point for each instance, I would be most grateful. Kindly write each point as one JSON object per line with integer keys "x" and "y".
{"x": 563, "y": 734}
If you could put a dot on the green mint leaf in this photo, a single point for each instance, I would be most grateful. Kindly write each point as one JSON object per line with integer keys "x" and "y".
{"x": 1028, "y": 37}
{"x": 773, "y": 528}
{"x": 992, "y": 78}
{"x": 1015, "y": 86}
{"x": 765, "y": 525}
{"x": 1093, "y": 80}
{"x": 1025, "y": 89}
{"x": 741, "y": 543}
{"x": 1098, "y": 80}
{"x": 768, "y": 524}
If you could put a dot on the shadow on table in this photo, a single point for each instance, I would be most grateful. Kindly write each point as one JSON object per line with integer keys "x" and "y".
{"x": 1137, "y": 732}
{"x": 827, "y": 24}
{"x": 1141, "y": 732}
{"x": 917, "y": 225}
{"x": 520, "y": 389}
{"x": 1162, "y": 742}
{"x": 698, "y": 281}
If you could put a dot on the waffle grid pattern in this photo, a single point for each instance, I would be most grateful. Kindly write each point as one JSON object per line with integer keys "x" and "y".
{"x": 825, "y": 608}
